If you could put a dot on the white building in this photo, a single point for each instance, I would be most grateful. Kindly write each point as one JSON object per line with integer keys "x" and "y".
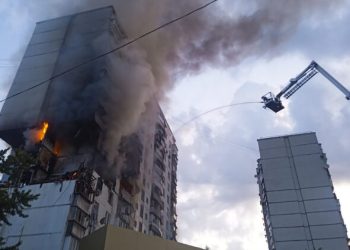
{"x": 150, "y": 196}
{"x": 299, "y": 206}
{"x": 80, "y": 190}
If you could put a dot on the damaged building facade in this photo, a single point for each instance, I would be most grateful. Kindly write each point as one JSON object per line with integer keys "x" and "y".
{"x": 300, "y": 208}
{"x": 63, "y": 123}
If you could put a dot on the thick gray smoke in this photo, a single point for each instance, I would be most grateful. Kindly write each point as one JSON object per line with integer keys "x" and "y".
{"x": 218, "y": 36}
{"x": 213, "y": 37}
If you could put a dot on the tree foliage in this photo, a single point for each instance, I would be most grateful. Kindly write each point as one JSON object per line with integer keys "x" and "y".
{"x": 13, "y": 200}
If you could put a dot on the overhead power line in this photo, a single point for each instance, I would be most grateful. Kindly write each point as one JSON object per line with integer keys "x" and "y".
{"x": 211, "y": 111}
{"x": 110, "y": 51}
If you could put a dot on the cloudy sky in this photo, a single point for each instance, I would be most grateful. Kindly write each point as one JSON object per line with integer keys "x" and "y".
{"x": 218, "y": 203}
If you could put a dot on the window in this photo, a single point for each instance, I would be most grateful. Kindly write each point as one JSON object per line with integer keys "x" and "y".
{"x": 99, "y": 185}
{"x": 110, "y": 197}
{"x": 94, "y": 212}
{"x": 74, "y": 245}
{"x": 107, "y": 216}
{"x": 140, "y": 227}
{"x": 79, "y": 216}
{"x": 141, "y": 212}
{"x": 143, "y": 195}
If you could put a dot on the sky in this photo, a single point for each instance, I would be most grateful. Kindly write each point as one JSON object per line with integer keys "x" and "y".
{"x": 218, "y": 202}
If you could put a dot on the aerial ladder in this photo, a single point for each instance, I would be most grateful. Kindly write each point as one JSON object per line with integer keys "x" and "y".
{"x": 274, "y": 102}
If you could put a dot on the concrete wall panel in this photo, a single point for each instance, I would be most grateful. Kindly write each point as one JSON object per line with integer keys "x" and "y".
{"x": 323, "y": 218}
{"x": 328, "y": 231}
{"x": 321, "y": 205}
{"x": 289, "y": 234}
{"x": 273, "y": 153}
{"x": 331, "y": 244}
{"x": 302, "y": 139}
{"x": 317, "y": 193}
{"x": 292, "y": 245}
{"x": 306, "y": 149}
{"x": 48, "y": 36}
{"x": 274, "y": 163}
{"x": 39, "y": 60}
{"x": 43, "y": 48}
{"x": 284, "y": 208}
{"x": 51, "y": 25}
{"x": 279, "y": 196}
{"x": 294, "y": 220}
{"x": 271, "y": 143}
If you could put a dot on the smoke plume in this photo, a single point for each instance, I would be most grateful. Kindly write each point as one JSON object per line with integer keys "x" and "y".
{"x": 219, "y": 36}
{"x": 210, "y": 38}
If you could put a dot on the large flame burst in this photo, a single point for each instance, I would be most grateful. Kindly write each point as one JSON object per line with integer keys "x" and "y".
{"x": 41, "y": 133}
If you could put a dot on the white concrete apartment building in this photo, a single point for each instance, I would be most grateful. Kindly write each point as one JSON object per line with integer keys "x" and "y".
{"x": 301, "y": 211}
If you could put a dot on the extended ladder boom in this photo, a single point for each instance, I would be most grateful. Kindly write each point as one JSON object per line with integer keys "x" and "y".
{"x": 333, "y": 80}
{"x": 275, "y": 104}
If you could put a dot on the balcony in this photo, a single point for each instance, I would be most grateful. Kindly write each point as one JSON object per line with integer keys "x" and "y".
{"x": 155, "y": 224}
{"x": 159, "y": 137}
{"x": 173, "y": 177}
{"x": 174, "y": 159}
{"x": 125, "y": 210}
{"x": 85, "y": 184}
{"x": 173, "y": 194}
{"x": 77, "y": 222}
{"x": 159, "y": 164}
{"x": 158, "y": 199}
{"x": 158, "y": 177}
{"x": 155, "y": 229}
{"x": 160, "y": 129}
{"x": 156, "y": 211}
{"x": 157, "y": 196}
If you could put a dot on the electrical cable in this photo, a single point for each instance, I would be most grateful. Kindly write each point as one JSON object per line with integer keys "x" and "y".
{"x": 212, "y": 110}
{"x": 110, "y": 51}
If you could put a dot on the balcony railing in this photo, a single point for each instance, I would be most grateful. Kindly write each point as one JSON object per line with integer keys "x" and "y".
{"x": 156, "y": 211}
{"x": 155, "y": 230}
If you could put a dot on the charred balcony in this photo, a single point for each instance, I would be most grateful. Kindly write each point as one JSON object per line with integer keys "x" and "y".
{"x": 132, "y": 148}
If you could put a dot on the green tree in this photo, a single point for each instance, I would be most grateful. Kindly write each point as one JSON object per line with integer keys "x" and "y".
{"x": 12, "y": 199}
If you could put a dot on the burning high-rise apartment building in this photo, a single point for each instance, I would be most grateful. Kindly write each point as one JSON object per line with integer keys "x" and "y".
{"x": 300, "y": 208}
{"x": 98, "y": 161}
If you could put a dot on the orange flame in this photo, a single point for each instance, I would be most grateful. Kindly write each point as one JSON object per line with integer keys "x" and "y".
{"x": 57, "y": 148}
{"x": 42, "y": 131}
